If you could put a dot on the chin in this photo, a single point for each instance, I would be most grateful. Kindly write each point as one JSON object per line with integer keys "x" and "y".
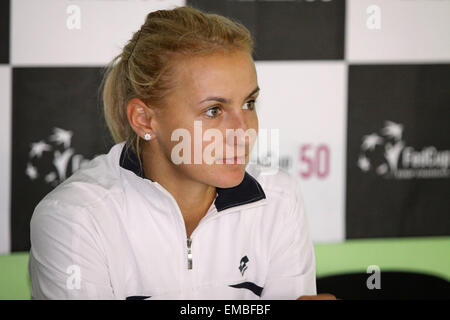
{"x": 228, "y": 176}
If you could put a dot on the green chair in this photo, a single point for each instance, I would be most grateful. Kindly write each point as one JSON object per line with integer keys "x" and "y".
{"x": 429, "y": 255}
{"x": 409, "y": 268}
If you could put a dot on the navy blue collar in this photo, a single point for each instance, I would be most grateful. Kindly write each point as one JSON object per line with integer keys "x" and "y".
{"x": 248, "y": 191}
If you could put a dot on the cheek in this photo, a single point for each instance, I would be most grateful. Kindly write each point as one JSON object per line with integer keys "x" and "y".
{"x": 253, "y": 124}
{"x": 180, "y": 143}
{"x": 251, "y": 120}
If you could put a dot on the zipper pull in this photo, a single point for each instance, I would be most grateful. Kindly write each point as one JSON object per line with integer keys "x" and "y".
{"x": 189, "y": 253}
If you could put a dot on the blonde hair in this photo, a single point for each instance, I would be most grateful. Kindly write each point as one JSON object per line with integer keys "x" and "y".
{"x": 144, "y": 69}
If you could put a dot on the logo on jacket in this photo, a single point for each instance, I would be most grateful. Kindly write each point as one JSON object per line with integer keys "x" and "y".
{"x": 243, "y": 265}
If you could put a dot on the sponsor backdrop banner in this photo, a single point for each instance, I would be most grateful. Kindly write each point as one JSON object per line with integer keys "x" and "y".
{"x": 356, "y": 92}
{"x": 52, "y": 135}
{"x": 398, "y": 151}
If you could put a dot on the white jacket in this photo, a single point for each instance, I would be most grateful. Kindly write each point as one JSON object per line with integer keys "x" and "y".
{"x": 107, "y": 232}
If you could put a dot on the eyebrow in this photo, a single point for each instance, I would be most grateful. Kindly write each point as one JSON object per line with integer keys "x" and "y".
{"x": 224, "y": 100}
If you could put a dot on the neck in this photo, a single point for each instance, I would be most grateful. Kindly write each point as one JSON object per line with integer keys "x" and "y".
{"x": 193, "y": 197}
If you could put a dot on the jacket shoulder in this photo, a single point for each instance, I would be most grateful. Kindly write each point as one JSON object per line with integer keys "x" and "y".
{"x": 90, "y": 184}
{"x": 276, "y": 180}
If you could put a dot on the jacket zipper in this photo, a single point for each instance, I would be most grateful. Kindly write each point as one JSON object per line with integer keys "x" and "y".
{"x": 189, "y": 240}
{"x": 189, "y": 253}
{"x": 213, "y": 216}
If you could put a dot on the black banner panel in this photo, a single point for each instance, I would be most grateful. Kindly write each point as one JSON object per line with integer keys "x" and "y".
{"x": 71, "y": 130}
{"x": 398, "y": 151}
{"x": 4, "y": 31}
{"x": 288, "y": 30}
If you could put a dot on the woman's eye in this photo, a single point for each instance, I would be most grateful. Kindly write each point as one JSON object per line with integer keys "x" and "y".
{"x": 250, "y": 104}
{"x": 212, "y": 112}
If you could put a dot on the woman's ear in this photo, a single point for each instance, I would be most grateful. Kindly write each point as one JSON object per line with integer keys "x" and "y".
{"x": 140, "y": 117}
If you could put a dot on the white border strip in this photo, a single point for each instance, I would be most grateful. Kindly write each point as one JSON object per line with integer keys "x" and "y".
{"x": 5, "y": 157}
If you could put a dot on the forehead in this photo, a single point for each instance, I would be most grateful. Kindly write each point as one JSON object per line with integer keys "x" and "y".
{"x": 224, "y": 74}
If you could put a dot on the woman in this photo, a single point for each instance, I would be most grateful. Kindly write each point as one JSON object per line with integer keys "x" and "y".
{"x": 138, "y": 223}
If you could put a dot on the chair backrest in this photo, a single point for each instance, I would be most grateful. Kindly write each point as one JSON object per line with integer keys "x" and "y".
{"x": 392, "y": 285}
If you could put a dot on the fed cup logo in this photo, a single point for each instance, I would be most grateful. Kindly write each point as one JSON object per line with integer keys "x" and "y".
{"x": 56, "y": 149}
{"x": 388, "y": 155}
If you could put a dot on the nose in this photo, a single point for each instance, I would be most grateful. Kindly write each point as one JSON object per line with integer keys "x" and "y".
{"x": 237, "y": 130}
{"x": 238, "y": 120}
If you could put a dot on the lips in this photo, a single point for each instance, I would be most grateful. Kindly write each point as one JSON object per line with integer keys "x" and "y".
{"x": 234, "y": 160}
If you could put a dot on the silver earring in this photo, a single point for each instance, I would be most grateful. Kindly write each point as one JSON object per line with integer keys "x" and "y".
{"x": 147, "y": 136}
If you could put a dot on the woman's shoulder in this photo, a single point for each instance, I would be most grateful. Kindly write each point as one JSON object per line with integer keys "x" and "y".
{"x": 282, "y": 191}
{"x": 274, "y": 180}
{"x": 95, "y": 180}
